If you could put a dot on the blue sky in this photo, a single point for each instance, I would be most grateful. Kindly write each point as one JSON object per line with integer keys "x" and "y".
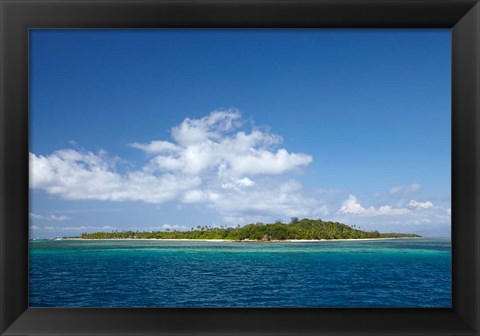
{"x": 155, "y": 129}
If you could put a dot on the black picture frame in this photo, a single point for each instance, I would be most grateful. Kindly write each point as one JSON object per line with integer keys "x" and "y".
{"x": 461, "y": 16}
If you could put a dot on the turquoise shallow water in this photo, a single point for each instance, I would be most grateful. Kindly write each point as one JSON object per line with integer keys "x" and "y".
{"x": 113, "y": 273}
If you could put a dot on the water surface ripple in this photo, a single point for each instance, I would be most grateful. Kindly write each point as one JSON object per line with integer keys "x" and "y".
{"x": 152, "y": 273}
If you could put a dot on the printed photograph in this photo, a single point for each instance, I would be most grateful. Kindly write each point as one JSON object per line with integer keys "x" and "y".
{"x": 240, "y": 168}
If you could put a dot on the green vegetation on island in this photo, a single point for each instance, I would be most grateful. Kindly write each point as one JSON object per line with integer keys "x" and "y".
{"x": 304, "y": 229}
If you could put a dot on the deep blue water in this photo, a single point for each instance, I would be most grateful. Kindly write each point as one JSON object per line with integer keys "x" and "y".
{"x": 109, "y": 273}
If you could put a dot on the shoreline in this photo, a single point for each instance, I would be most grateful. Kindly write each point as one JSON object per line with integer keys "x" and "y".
{"x": 242, "y": 241}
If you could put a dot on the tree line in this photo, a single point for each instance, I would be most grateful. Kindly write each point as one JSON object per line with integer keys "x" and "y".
{"x": 296, "y": 229}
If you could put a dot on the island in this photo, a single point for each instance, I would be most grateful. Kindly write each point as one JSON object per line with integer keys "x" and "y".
{"x": 297, "y": 230}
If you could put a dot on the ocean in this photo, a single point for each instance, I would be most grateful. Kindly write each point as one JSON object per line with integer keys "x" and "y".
{"x": 156, "y": 273}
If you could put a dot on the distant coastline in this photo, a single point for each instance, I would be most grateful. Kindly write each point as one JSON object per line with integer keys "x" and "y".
{"x": 241, "y": 241}
{"x": 303, "y": 230}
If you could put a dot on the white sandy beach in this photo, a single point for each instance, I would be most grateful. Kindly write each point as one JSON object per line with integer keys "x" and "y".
{"x": 246, "y": 241}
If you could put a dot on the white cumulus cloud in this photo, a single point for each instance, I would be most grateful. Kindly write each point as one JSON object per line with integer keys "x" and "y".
{"x": 238, "y": 171}
{"x": 423, "y": 218}
{"x": 216, "y": 142}
{"x": 77, "y": 175}
{"x": 352, "y": 206}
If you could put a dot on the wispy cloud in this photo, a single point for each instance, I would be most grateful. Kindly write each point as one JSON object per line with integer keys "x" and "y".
{"x": 79, "y": 228}
{"x": 50, "y": 217}
{"x": 267, "y": 201}
{"x": 423, "y": 205}
{"x": 405, "y": 189}
{"x": 174, "y": 227}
